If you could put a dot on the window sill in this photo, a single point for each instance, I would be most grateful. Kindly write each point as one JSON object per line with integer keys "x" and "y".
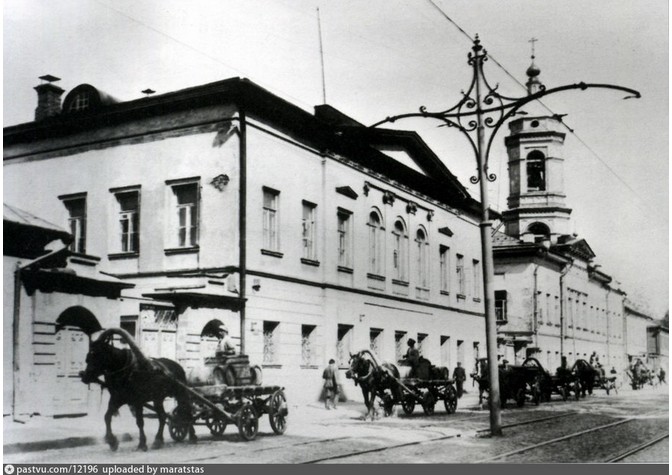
{"x": 444, "y": 292}
{"x": 345, "y": 270}
{"x": 181, "y": 250}
{"x": 476, "y": 299}
{"x": 501, "y": 322}
{"x": 271, "y": 365}
{"x": 400, "y": 282}
{"x": 310, "y": 262}
{"x": 267, "y": 252}
{"x": 123, "y": 255}
{"x": 461, "y": 296}
{"x": 380, "y": 278}
{"x": 309, "y": 366}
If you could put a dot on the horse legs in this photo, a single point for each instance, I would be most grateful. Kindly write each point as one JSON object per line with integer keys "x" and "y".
{"x": 161, "y": 413}
{"x": 139, "y": 420}
{"x": 110, "y": 438}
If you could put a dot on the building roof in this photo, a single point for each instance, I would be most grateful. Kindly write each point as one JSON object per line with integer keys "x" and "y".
{"x": 19, "y": 216}
{"x": 328, "y": 130}
{"x": 26, "y": 235}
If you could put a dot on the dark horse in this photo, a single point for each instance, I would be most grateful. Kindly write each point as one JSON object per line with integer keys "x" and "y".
{"x": 588, "y": 376}
{"x": 133, "y": 379}
{"x": 375, "y": 380}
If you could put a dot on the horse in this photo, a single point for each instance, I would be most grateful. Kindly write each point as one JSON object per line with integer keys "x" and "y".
{"x": 375, "y": 379}
{"x": 587, "y": 376}
{"x": 133, "y": 379}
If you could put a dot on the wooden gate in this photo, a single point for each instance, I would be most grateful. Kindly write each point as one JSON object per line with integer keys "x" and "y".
{"x": 70, "y": 394}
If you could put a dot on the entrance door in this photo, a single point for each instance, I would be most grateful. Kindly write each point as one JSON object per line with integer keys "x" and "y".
{"x": 70, "y": 394}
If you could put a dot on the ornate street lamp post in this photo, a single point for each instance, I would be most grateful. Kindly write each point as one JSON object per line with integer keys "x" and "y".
{"x": 480, "y": 113}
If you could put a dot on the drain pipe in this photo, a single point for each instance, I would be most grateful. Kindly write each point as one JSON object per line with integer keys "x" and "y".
{"x": 242, "y": 223}
{"x": 16, "y": 314}
{"x": 564, "y": 272}
{"x": 535, "y": 303}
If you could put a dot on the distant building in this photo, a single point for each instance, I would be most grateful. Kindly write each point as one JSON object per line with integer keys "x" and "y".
{"x": 309, "y": 235}
{"x": 551, "y": 299}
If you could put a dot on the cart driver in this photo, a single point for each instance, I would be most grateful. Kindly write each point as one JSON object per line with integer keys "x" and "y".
{"x": 225, "y": 345}
{"x": 412, "y": 354}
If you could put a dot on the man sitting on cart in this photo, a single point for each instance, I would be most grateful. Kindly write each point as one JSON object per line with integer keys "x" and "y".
{"x": 225, "y": 345}
{"x": 412, "y": 356}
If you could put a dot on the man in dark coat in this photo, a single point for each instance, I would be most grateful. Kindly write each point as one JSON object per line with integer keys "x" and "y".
{"x": 460, "y": 376}
{"x": 330, "y": 377}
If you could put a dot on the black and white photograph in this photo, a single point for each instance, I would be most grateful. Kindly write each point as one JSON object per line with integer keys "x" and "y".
{"x": 335, "y": 232}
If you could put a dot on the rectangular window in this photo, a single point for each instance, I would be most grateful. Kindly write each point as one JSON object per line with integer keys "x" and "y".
{"x": 459, "y": 269}
{"x": 399, "y": 345}
{"x": 445, "y": 351}
{"x": 308, "y": 347}
{"x": 460, "y": 351}
{"x": 76, "y": 207}
{"x": 271, "y": 337}
{"x": 129, "y": 221}
{"x": 477, "y": 350}
{"x": 500, "y": 306}
{"x": 185, "y": 215}
{"x": 308, "y": 229}
{"x": 343, "y": 344}
{"x": 476, "y": 266}
{"x": 344, "y": 239}
{"x": 422, "y": 339}
{"x": 444, "y": 268}
{"x": 376, "y": 341}
{"x": 130, "y": 324}
{"x": 271, "y": 219}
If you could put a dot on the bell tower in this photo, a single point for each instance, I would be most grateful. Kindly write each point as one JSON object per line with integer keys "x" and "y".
{"x": 536, "y": 203}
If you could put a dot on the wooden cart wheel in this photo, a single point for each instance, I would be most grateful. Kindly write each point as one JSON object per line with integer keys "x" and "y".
{"x": 408, "y": 403}
{"x": 216, "y": 424}
{"x": 277, "y": 413}
{"x": 450, "y": 401}
{"x": 428, "y": 403}
{"x": 178, "y": 428}
{"x": 248, "y": 422}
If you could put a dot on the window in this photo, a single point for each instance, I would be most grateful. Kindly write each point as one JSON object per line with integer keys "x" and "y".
{"x": 444, "y": 269}
{"x": 271, "y": 219}
{"x": 445, "y": 351}
{"x": 80, "y": 103}
{"x": 344, "y": 239}
{"x": 129, "y": 221}
{"x": 460, "y": 351}
{"x": 271, "y": 337}
{"x": 399, "y": 253}
{"x": 422, "y": 339}
{"x": 536, "y": 171}
{"x": 308, "y": 347}
{"x": 540, "y": 231}
{"x": 130, "y": 324}
{"x": 343, "y": 344}
{"x": 76, "y": 207}
{"x": 376, "y": 236}
{"x": 477, "y": 350}
{"x": 476, "y": 267}
{"x": 185, "y": 215}
{"x": 376, "y": 341}
{"x": 459, "y": 268}
{"x": 421, "y": 242}
{"x": 500, "y": 306}
{"x": 308, "y": 230}
{"x": 399, "y": 345}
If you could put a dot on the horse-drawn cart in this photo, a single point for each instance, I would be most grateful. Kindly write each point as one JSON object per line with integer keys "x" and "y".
{"x": 426, "y": 392}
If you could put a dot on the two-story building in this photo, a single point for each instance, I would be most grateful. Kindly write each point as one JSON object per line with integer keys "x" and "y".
{"x": 309, "y": 235}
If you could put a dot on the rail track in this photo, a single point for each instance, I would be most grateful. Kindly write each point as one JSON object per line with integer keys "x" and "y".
{"x": 636, "y": 449}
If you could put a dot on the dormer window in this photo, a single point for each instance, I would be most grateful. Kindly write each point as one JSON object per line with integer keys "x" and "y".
{"x": 540, "y": 231}
{"x": 81, "y": 102}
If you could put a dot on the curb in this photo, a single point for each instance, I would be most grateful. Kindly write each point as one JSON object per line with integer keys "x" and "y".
{"x": 66, "y": 443}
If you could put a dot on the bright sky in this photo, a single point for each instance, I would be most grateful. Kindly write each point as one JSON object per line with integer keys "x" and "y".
{"x": 387, "y": 57}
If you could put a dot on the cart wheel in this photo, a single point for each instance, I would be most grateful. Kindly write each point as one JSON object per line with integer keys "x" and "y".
{"x": 217, "y": 425}
{"x": 178, "y": 428}
{"x": 428, "y": 403}
{"x": 450, "y": 401}
{"x": 248, "y": 422}
{"x": 277, "y": 412}
{"x": 520, "y": 397}
{"x": 408, "y": 404}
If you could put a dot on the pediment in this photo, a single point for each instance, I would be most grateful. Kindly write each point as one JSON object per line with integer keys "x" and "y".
{"x": 446, "y": 231}
{"x": 347, "y": 191}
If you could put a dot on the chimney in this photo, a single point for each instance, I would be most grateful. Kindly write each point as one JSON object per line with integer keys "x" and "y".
{"x": 48, "y": 98}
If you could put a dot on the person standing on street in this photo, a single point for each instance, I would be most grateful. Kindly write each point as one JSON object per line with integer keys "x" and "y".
{"x": 330, "y": 377}
{"x": 460, "y": 376}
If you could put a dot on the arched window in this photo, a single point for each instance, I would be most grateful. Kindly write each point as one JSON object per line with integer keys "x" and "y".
{"x": 536, "y": 171}
{"x": 376, "y": 237}
{"x": 540, "y": 230}
{"x": 421, "y": 258}
{"x": 400, "y": 251}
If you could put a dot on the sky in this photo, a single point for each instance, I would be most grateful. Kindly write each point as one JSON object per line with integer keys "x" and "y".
{"x": 388, "y": 57}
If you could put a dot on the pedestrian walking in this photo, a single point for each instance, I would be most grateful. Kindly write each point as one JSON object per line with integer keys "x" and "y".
{"x": 460, "y": 376}
{"x": 330, "y": 377}
{"x": 661, "y": 376}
